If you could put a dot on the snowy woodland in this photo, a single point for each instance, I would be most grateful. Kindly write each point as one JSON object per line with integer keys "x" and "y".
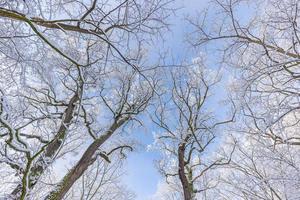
{"x": 79, "y": 77}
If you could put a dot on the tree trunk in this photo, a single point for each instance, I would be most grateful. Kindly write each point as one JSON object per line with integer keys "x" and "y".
{"x": 187, "y": 193}
{"x": 86, "y": 160}
{"x": 40, "y": 165}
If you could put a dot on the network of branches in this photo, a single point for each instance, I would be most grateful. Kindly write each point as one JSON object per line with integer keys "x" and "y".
{"x": 79, "y": 77}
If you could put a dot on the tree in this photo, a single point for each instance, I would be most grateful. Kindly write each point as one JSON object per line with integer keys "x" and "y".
{"x": 263, "y": 49}
{"x": 189, "y": 130}
{"x": 71, "y": 75}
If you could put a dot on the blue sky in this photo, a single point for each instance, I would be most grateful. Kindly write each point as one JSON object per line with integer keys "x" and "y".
{"x": 142, "y": 177}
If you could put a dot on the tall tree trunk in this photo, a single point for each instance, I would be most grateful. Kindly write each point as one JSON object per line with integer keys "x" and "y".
{"x": 86, "y": 160}
{"x": 187, "y": 193}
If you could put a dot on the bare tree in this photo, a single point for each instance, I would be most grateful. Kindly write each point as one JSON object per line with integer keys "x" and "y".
{"x": 133, "y": 99}
{"x": 189, "y": 129}
{"x": 263, "y": 48}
